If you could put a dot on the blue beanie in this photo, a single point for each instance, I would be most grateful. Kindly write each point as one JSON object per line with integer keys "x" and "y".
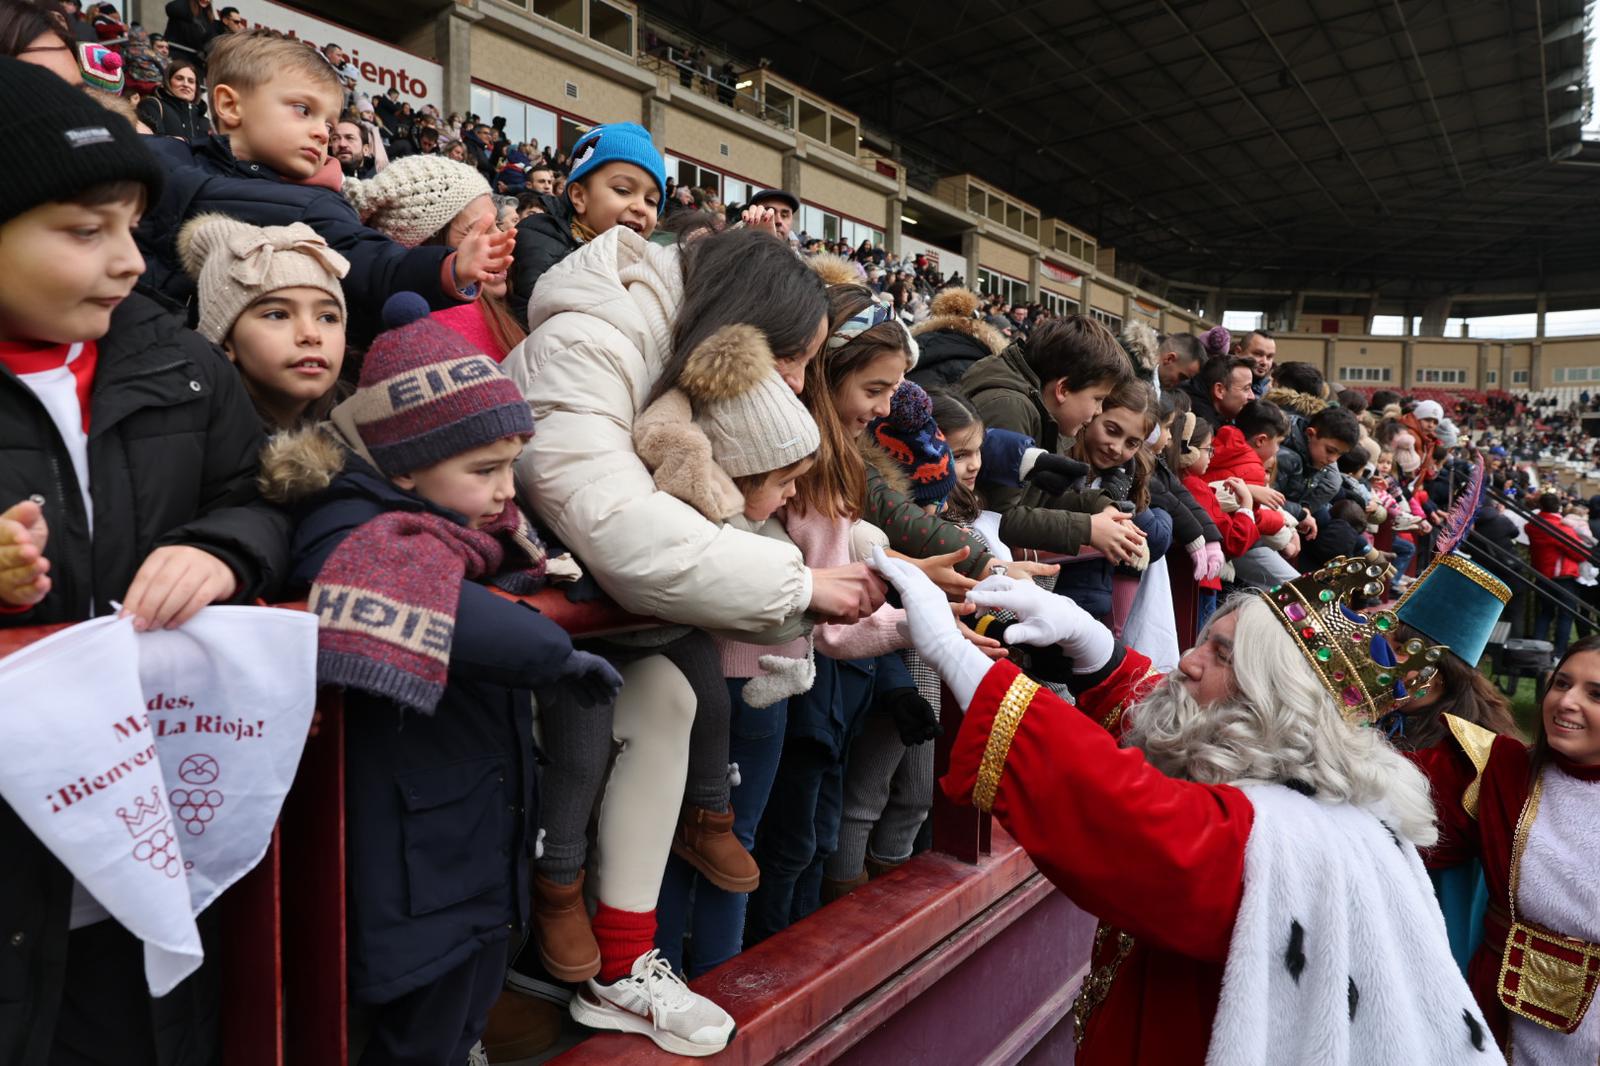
{"x": 618, "y": 142}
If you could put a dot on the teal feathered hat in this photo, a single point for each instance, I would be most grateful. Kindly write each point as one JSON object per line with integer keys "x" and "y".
{"x": 1456, "y": 603}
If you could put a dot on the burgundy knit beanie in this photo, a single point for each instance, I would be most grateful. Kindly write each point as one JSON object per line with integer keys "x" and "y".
{"x": 426, "y": 395}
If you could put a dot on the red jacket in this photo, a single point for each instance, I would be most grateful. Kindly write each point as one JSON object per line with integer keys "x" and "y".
{"x": 1156, "y": 859}
{"x": 1555, "y": 554}
{"x": 1233, "y": 457}
{"x": 1239, "y": 531}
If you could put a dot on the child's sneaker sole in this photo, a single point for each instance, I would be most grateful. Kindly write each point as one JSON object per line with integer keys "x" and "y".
{"x": 602, "y": 1016}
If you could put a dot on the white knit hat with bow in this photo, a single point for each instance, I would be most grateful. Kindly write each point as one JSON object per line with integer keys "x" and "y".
{"x": 235, "y": 264}
{"x": 415, "y": 196}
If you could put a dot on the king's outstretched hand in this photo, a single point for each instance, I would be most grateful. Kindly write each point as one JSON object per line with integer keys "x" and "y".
{"x": 1046, "y": 618}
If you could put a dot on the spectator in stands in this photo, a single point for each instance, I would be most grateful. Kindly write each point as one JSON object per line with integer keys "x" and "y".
{"x": 424, "y": 201}
{"x": 256, "y": 170}
{"x": 158, "y": 509}
{"x": 952, "y": 339}
{"x": 1244, "y": 450}
{"x": 1308, "y": 474}
{"x": 1260, "y": 348}
{"x": 284, "y": 327}
{"x": 191, "y": 26}
{"x": 232, "y": 21}
{"x": 353, "y": 146}
{"x": 542, "y": 179}
{"x": 1050, "y": 389}
{"x": 79, "y": 25}
{"x": 176, "y": 109}
{"x": 417, "y": 507}
{"x": 28, "y": 33}
{"x": 785, "y": 207}
{"x": 1556, "y": 554}
{"x": 1221, "y": 388}
{"x": 1423, "y": 420}
{"x": 1178, "y": 359}
{"x": 158, "y": 41}
{"x": 619, "y": 180}
{"x": 1345, "y": 533}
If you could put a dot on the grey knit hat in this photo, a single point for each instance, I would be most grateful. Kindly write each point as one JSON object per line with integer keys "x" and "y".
{"x": 754, "y": 421}
{"x": 235, "y": 264}
{"x": 415, "y": 197}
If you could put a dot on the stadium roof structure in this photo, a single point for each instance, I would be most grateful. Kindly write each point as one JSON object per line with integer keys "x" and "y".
{"x": 1405, "y": 147}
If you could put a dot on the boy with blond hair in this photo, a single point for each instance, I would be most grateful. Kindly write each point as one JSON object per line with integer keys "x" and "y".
{"x": 273, "y": 101}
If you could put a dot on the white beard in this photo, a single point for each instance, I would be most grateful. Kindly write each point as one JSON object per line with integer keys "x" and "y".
{"x": 1172, "y": 728}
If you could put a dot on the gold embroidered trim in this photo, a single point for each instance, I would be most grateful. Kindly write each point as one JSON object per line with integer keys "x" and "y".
{"x": 1476, "y": 742}
{"x": 1110, "y": 722}
{"x": 1097, "y": 983}
{"x": 1477, "y": 575}
{"x": 1001, "y": 730}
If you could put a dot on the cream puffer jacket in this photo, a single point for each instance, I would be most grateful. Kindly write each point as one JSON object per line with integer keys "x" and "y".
{"x": 601, "y": 323}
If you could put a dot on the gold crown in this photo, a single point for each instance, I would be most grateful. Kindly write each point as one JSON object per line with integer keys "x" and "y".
{"x": 1339, "y": 643}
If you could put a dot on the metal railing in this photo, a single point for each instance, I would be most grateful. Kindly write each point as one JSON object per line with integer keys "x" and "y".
{"x": 709, "y": 82}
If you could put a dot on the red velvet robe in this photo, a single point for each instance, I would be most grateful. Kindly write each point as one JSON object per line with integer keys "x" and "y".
{"x": 1156, "y": 858}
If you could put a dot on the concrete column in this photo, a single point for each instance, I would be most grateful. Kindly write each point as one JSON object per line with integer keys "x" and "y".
{"x": 452, "y": 44}
{"x": 1329, "y": 351}
{"x": 1408, "y": 366}
{"x": 969, "y": 253}
{"x": 1483, "y": 367}
{"x": 1035, "y": 269}
{"x": 1215, "y": 305}
{"x": 1536, "y": 383}
{"x": 1540, "y": 309}
{"x": 1127, "y": 308}
{"x": 1372, "y": 310}
{"x": 653, "y": 114}
{"x": 1435, "y": 313}
{"x": 1505, "y": 367}
{"x": 892, "y": 226}
{"x": 1297, "y": 303}
{"x": 791, "y": 177}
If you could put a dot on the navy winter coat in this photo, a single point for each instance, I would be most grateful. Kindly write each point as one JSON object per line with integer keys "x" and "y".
{"x": 205, "y": 177}
{"x": 441, "y": 808}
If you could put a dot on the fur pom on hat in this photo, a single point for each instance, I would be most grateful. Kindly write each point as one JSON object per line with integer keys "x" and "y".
{"x": 731, "y": 361}
{"x": 835, "y": 270}
{"x": 1139, "y": 341}
{"x": 415, "y": 197}
{"x": 955, "y": 301}
{"x": 913, "y": 439}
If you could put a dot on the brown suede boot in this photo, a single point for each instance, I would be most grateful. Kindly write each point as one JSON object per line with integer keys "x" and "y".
{"x": 561, "y": 922}
{"x": 832, "y": 890}
{"x": 876, "y": 868}
{"x": 520, "y": 1026}
{"x": 705, "y": 841}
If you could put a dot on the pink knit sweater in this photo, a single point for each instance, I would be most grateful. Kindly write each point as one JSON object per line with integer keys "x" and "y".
{"x": 823, "y": 542}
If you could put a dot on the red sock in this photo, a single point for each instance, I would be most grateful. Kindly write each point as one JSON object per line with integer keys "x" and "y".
{"x": 623, "y": 936}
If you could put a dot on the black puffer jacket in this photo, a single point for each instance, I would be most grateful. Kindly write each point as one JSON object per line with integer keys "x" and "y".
{"x": 543, "y": 240}
{"x": 169, "y": 116}
{"x": 205, "y": 177}
{"x": 172, "y": 460}
{"x": 190, "y": 33}
{"x": 945, "y": 355}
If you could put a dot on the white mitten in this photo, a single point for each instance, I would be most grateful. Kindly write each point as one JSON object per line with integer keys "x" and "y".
{"x": 864, "y": 536}
{"x": 1046, "y": 618}
{"x": 1279, "y": 540}
{"x": 931, "y": 628}
{"x": 1226, "y": 574}
{"x": 784, "y": 677}
{"x": 1141, "y": 557}
{"x": 1225, "y": 497}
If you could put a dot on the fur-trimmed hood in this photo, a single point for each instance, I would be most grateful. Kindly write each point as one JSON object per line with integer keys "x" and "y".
{"x": 297, "y": 464}
{"x": 945, "y": 317}
{"x": 1300, "y": 403}
{"x": 836, "y": 270}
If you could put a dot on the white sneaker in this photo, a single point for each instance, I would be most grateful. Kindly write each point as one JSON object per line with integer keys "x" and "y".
{"x": 653, "y": 1001}
{"x": 477, "y": 1056}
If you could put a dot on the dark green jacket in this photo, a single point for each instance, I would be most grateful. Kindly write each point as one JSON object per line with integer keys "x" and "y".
{"x": 1005, "y": 390}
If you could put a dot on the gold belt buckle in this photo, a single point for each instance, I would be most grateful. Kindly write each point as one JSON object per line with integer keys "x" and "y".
{"x": 1548, "y": 978}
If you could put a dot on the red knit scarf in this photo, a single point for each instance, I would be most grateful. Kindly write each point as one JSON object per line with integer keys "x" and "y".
{"x": 386, "y": 598}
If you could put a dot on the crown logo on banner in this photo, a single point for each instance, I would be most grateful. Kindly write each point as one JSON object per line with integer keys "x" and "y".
{"x": 1349, "y": 651}
{"x": 144, "y": 816}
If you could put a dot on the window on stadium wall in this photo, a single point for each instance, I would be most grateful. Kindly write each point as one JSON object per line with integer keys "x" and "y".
{"x": 1107, "y": 319}
{"x": 1057, "y": 304}
{"x": 817, "y": 223}
{"x": 1003, "y": 285}
{"x": 528, "y": 122}
{"x": 732, "y": 189}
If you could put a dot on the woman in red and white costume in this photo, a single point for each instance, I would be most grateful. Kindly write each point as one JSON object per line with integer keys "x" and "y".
{"x": 1250, "y": 852}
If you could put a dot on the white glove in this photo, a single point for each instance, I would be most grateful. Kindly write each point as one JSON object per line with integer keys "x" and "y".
{"x": 1046, "y": 618}
{"x": 931, "y": 628}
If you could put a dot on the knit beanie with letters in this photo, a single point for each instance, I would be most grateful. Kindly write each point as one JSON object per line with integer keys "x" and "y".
{"x": 912, "y": 439}
{"x": 754, "y": 421}
{"x": 618, "y": 142}
{"x": 235, "y": 264}
{"x": 426, "y": 395}
{"x": 61, "y": 143}
{"x": 415, "y": 197}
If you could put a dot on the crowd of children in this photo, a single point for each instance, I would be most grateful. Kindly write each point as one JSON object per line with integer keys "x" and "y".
{"x": 716, "y": 434}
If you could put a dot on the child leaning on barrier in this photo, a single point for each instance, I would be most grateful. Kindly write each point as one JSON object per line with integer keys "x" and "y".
{"x": 407, "y": 516}
{"x": 129, "y": 475}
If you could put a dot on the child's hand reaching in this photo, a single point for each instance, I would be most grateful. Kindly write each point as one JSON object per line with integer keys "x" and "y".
{"x": 172, "y": 586}
{"x": 1114, "y": 535}
{"x": 484, "y": 255}
{"x": 24, "y": 571}
{"x": 761, "y": 218}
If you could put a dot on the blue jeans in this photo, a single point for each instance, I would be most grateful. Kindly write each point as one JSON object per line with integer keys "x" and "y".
{"x": 801, "y": 826}
{"x": 1549, "y": 612}
{"x": 688, "y": 901}
{"x": 1205, "y": 607}
{"x": 1404, "y": 550}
